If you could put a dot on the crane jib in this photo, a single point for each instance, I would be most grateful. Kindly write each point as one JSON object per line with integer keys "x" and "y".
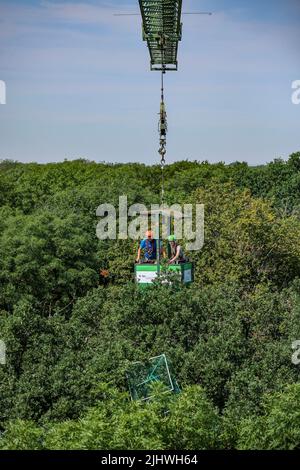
{"x": 162, "y": 29}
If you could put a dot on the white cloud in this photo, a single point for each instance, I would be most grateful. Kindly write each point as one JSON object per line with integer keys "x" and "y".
{"x": 82, "y": 13}
{"x": 45, "y": 17}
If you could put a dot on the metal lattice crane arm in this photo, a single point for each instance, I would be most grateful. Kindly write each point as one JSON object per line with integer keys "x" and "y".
{"x": 162, "y": 30}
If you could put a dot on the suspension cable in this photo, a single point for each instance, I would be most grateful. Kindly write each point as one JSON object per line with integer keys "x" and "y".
{"x": 163, "y": 128}
{"x": 163, "y": 131}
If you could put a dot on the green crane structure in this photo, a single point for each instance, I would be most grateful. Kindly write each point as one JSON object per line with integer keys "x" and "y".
{"x": 162, "y": 29}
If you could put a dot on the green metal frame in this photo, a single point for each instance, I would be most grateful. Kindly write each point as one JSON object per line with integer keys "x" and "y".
{"x": 162, "y": 24}
{"x": 141, "y": 376}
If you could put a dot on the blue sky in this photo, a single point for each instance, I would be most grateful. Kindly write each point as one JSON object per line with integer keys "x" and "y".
{"x": 79, "y": 85}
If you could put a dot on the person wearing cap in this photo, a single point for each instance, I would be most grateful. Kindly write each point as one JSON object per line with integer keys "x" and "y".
{"x": 149, "y": 248}
{"x": 175, "y": 251}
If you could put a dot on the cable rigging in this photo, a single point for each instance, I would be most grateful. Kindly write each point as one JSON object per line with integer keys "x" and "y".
{"x": 162, "y": 30}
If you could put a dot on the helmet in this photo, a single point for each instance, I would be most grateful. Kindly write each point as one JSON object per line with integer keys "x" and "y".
{"x": 172, "y": 238}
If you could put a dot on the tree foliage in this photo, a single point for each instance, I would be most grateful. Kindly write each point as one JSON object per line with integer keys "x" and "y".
{"x": 71, "y": 333}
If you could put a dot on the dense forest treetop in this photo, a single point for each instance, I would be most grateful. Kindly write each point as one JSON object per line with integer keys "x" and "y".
{"x": 70, "y": 334}
{"x": 25, "y": 185}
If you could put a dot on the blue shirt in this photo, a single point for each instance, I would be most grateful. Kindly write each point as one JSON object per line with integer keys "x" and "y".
{"x": 149, "y": 248}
